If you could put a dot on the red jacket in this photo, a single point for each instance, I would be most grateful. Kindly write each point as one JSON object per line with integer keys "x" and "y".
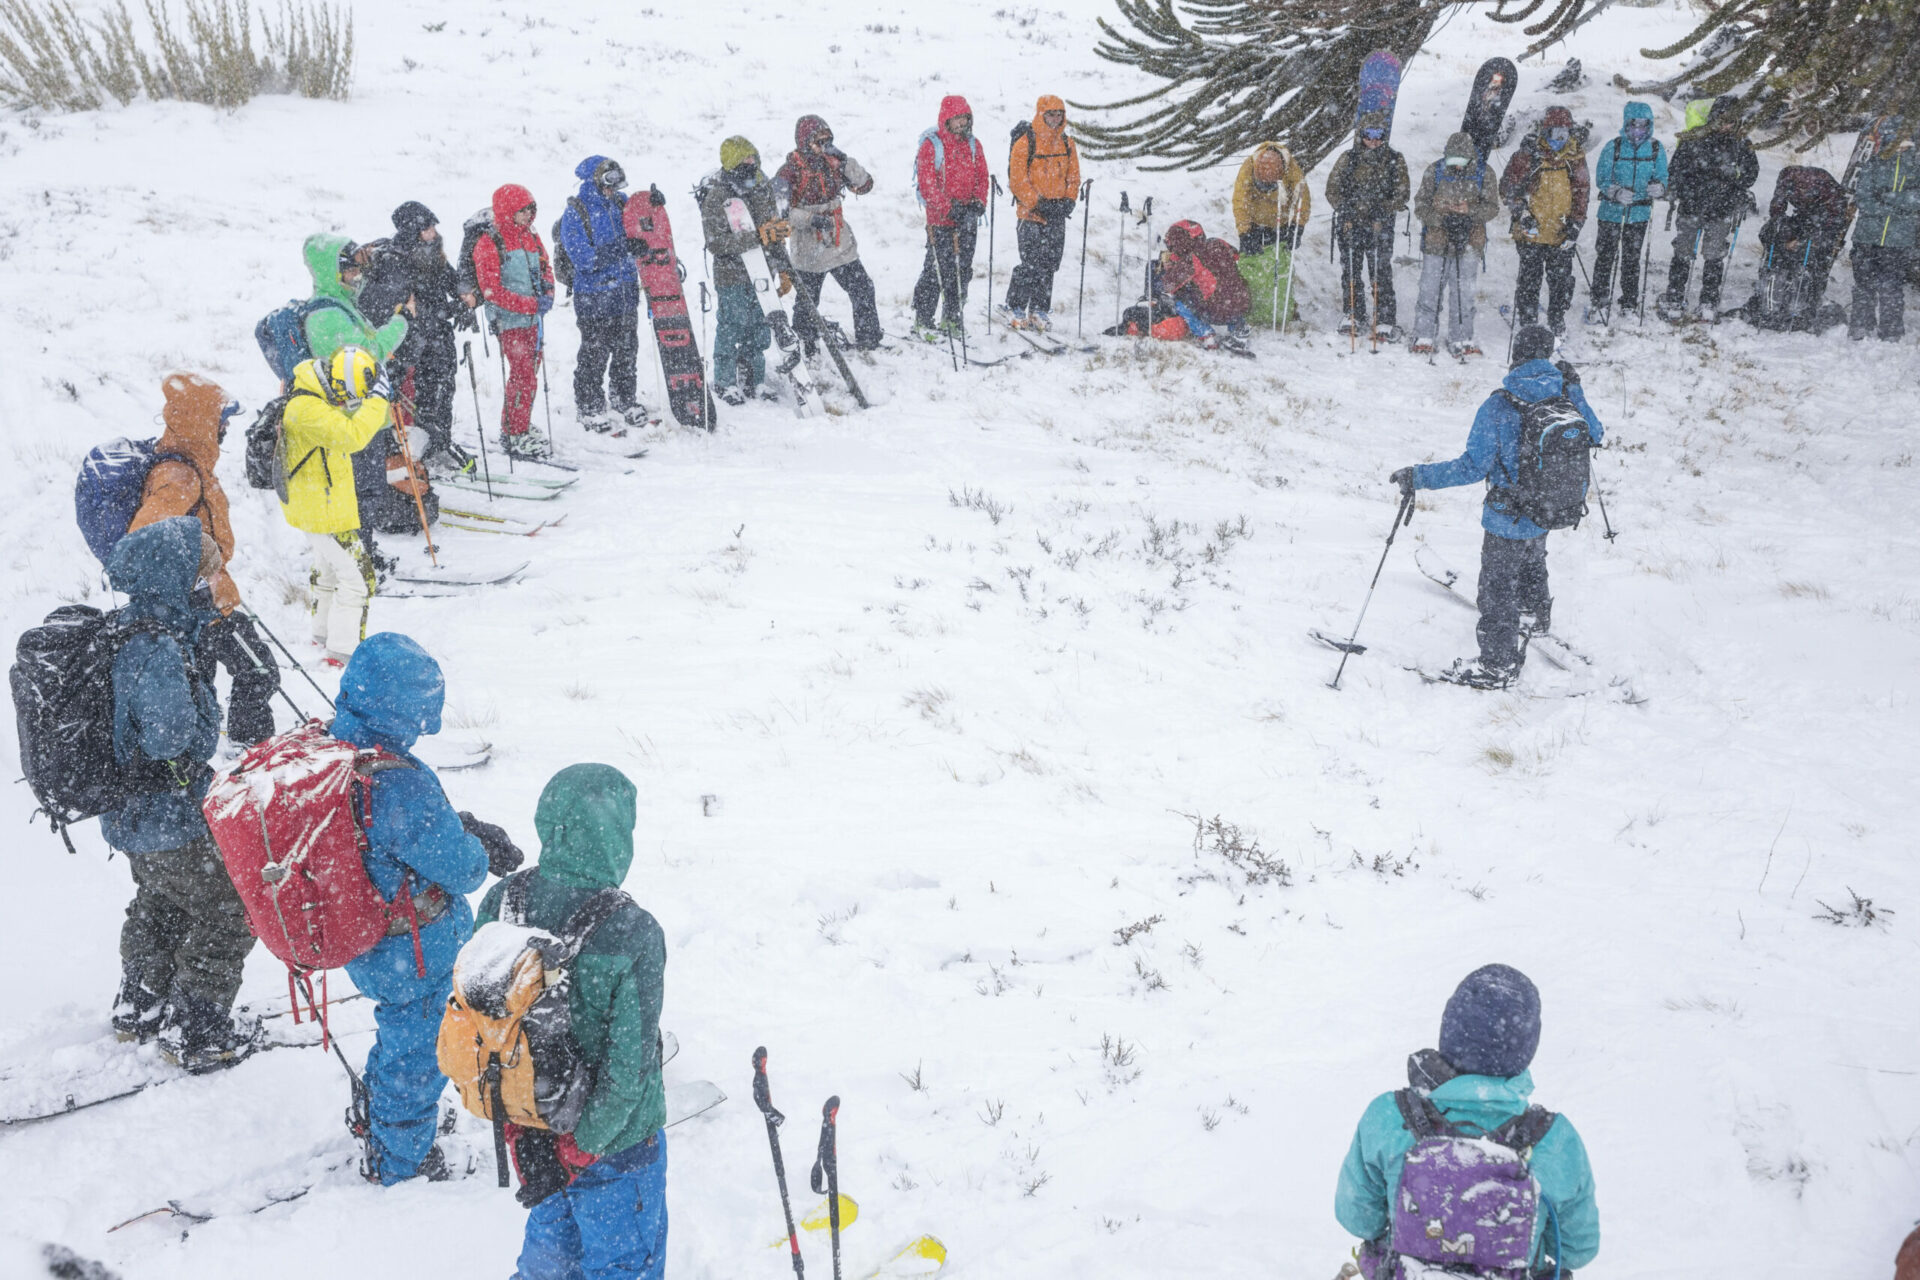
{"x": 507, "y": 201}
{"x": 963, "y": 172}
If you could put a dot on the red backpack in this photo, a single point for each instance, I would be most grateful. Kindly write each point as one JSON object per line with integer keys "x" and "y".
{"x": 291, "y": 821}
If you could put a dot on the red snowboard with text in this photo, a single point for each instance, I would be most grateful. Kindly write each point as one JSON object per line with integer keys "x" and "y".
{"x": 650, "y": 236}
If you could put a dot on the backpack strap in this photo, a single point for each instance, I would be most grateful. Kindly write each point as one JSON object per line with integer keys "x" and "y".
{"x": 573, "y": 203}
{"x": 1524, "y": 1132}
{"x": 1423, "y": 1119}
{"x": 590, "y": 915}
{"x": 513, "y": 904}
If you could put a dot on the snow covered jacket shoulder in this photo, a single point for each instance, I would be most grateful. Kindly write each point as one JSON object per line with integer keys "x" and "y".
{"x": 605, "y": 280}
{"x": 812, "y": 186}
{"x": 1713, "y": 172}
{"x": 1042, "y": 163}
{"x": 1368, "y": 186}
{"x": 1493, "y": 445}
{"x": 511, "y": 264}
{"x": 1889, "y": 200}
{"x": 1546, "y": 188}
{"x": 1370, "y": 1177}
{"x": 948, "y": 168}
{"x": 1287, "y": 203}
{"x": 343, "y": 325}
{"x": 1468, "y": 191}
{"x": 161, "y": 709}
{"x": 1622, "y": 162}
{"x": 391, "y": 694}
{"x": 731, "y": 212}
{"x": 585, "y": 819}
{"x": 321, "y": 439}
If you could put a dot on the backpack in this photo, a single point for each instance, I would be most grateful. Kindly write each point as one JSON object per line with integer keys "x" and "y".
{"x": 940, "y": 160}
{"x": 1022, "y": 130}
{"x": 1555, "y": 470}
{"x": 562, "y": 264}
{"x": 62, "y": 680}
{"x": 506, "y": 1038}
{"x": 282, "y": 334}
{"x": 266, "y": 452}
{"x": 111, "y": 484}
{"x": 480, "y": 224}
{"x": 291, "y": 822}
{"x": 1467, "y": 1203}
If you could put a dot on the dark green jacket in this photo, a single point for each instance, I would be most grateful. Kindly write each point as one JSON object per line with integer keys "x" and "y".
{"x": 1889, "y": 201}
{"x": 585, "y": 820}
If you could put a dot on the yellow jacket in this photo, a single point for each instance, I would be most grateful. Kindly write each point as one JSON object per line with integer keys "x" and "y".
{"x": 1253, "y": 207}
{"x": 321, "y": 440}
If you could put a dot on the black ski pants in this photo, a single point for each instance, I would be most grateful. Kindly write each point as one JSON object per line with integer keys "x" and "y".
{"x": 235, "y": 643}
{"x": 944, "y": 275}
{"x": 1366, "y": 270}
{"x": 435, "y": 373}
{"x": 186, "y": 933}
{"x": 1042, "y": 247}
{"x": 1620, "y": 241}
{"x": 609, "y": 352}
{"x": 1879, "y": 292}
{"x": 1513, "y": 580}
{"x": 1553, "y": 264}
{"x": 859, "y": 289}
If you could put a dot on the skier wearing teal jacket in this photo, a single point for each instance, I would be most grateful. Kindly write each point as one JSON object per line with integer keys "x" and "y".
{"x": 1479, "y": 1080}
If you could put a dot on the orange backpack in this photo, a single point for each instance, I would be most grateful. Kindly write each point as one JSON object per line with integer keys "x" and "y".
{"x": 506, "y": 1038}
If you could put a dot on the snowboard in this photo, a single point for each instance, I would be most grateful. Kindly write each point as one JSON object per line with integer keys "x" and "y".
{"x": 1379, "y": 88}
{"x": 650, "y": 237}
{"x": 1485, "y": 117}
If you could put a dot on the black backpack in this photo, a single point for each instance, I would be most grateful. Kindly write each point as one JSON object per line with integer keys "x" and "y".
{"x": 1555, "y": 469}
{"x": 266, "y": 446}
{"x": 562, "y": 264}
{"x": 480, "y": 224}
{"x": 62, "y": 681}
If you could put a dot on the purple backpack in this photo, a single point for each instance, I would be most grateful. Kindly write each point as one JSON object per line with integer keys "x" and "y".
{"x": 1467, "y": 1203}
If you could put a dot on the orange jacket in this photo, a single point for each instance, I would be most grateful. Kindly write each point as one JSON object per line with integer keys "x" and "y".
{"x": 1052, "y": 172}
{"x": 192, "y": 418}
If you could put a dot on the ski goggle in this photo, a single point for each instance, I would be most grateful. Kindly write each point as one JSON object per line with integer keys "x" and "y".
{"x": 1373, "y": 135}
{"x": 1557, "y": 137}
{"x": 612, "y": 175}
{"x": 1456, "y": 162}
{"x": 1639, "y": 128}
{"x": 227, "y": 411}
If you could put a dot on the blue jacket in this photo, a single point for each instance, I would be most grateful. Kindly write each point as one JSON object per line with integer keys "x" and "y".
{"x": 1493, "y": 446}
{"x": 161, "y": 711}
{"x": 1371, "y": 1175}
{"x": 1625, "y": 164}
{"x": 1889, "y": 202}
{"x": 605, "y": 280}
{"x": 391, "y": 694}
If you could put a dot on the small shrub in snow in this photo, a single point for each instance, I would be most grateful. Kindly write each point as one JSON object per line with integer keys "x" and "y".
{"x": 1856, "y": 915}
{"x": 1240, "y": 851}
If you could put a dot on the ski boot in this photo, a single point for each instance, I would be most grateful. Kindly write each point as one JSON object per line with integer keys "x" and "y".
{"x": 526, "y": 445}
{"x": 1671, "y": 309}
{"x": 766, "y": 391}
{"x": 1009, "y": 317}
{"x": 201, "y": 1036}
{"x": 1597, "y": 313}
{"x": 1348, "y": 326}
{"x": 1210, "y": 342}
{"x": 598, "y": 421}
{"x": 1039, "y": 321}
{"x": 636, "y": 415}
{"x": 136, "y": 1012}
{"x": 731, "y": 394}
{"x": 1421, "y": 347}
{"x": 1464, "y": 351}
{"x": 1474, "y": 675}
{"x": 929, "y": 334}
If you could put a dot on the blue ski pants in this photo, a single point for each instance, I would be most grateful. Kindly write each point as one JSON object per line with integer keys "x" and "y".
{"x": 610, "y": 1224}
{"x": 741, "y": 337}
{"x": 404, "y": 1080}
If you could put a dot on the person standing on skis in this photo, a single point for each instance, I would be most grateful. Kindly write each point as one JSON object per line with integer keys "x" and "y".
{"x": 1513, "y": 552}
{"x": 1458, "y": 197}
{"x": 1712, "y": 175}
{"x": 951, "y": 175}
{"x": 412, "y": 267}
{"x": 516, "y": 279}
{"x": 1630, "y": 173}
{"x": 1546, "y": 186}
{"x": 606, "y": 298}
{"x": 1887, "y": 233}
{"x": 1367, "y": 187}
{"x": 1043, "y": 173}
{"x": 739, "y": 215}
{"x": 811, "y": 183}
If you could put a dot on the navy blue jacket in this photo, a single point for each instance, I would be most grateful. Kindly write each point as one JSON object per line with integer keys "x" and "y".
{"x": 605, "y": 281}
{"x": 390, "y": 694}
{"x": 1493, "y": 446}
{"x": 159, "y": 711}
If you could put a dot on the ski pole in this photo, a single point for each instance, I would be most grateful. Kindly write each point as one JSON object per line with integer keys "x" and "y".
{"x": 763, "y": 1098}
{"x": 261, "y": 667}
{"x": 940, "y": 275}
{"x": 1286, "y": 303}
{"x": 1275, "y": 301}
{"x": 1403, "y": 515}
{"x": 1646, "y": 268}
{"x": 960, "y": 290}
{"x": 546, "y": 393}
{"x": 413, "y": 482}
{"x": 479, "y": 423}
{"x": 1086, "y": 223}
{"x": 1146, "y": 217}
{"x": 826, "y": 1174}
{"x": 1585, "y": 278}
{"x": 1120, "y": 265}
{"x": 993, "y": 208}
{"x": 1611, "y": 534}
{"x": 268, "y": 633}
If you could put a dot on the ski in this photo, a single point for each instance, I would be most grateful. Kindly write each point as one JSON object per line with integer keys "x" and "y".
{"x": 923, "y": 1257}
{"x": 502, "y": 489}
{"x": 793, "y": 365}
{"x": 518, "y": 481}
{"x": 1336, "y": 643}
{"x": 452, "y": 579}
{"x": 662, "y": 278}
{"x": 484, "y": 522}
{"x": 819, "y": 1218}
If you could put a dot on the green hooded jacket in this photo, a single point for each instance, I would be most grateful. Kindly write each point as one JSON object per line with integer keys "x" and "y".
{"x": 331, "y": 328}
{"x": 585, "y": 819}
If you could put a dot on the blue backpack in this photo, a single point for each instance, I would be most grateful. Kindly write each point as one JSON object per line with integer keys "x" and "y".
{"x": 113, "y": 478}
{"x": 282, "y": 334}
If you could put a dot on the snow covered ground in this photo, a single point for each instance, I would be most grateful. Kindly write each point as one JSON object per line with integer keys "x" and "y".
{"x": 920, "y": 700}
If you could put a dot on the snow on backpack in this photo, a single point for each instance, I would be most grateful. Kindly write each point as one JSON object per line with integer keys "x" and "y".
{"x": 506, "y": 1038}
{"x": 282, "y": 334}
{"x": 62, "y": 680}
{"x": 291, "y": 822}
{"x": 111, "y": 484}
{"x": 1466, "y": 1204}
{"x": 1555, "y": 467}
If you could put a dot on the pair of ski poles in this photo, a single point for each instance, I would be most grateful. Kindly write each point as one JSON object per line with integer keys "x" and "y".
{"x": 826, "y": 1167}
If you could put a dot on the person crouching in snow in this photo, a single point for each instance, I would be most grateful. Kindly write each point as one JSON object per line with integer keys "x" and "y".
{"x": 516, "y": 279}
{"x": 1458, "y": 1173}
{"x": 1199, "y": 279}
{"x": 739, "y": 215}
{"x": 1458, "y": 197}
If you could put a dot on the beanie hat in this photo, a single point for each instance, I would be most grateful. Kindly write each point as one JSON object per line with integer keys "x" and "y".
{"x": 736, "y": 151}
{"x": 191, "y": 400}
{"x": 1557, "y": 118}
{"x": 1533, "y": 342}
{"x": 1492, "y": 1023}
{"x": 412, "y": 218}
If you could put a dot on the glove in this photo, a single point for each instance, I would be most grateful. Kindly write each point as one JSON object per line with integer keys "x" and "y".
{"x": 465, "y": 320}
{"x": 1570, "y": 229}
{"x": 1656, "y": 190}
{"x": 786, "y": 285}
{"x": 546, "y": 303}
{"x": 1404, "y": 478}
{"x": 971, "y": 210}
{"x": 1054, "y": 210}
{"x": 503, "y": 855}
{"x": 821, "y": 222}
{"x": 773, "y": 232}
{"x": 1621, "y": 195}
{"x": 381, "y": 388}
{"x": 541, "y": 1172}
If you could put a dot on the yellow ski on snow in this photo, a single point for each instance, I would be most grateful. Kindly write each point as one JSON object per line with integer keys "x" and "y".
{"x": 924, "y": 1257}
{"x": 816, "y": 1219}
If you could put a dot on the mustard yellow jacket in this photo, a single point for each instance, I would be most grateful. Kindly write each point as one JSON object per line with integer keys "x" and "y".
{"x": 321, "y": 440}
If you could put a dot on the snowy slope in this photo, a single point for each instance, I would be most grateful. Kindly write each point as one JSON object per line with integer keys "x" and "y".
{"x": 917, "y": 699}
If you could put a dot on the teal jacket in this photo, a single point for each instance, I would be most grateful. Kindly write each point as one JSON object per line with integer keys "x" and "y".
{"x": 1889, "y": 200}
{"x": 1371, "y": 1174}
{"x": 585, "y": 819}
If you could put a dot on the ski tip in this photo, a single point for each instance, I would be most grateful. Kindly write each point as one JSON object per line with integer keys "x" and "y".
{"x": 923, "y": 1257}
